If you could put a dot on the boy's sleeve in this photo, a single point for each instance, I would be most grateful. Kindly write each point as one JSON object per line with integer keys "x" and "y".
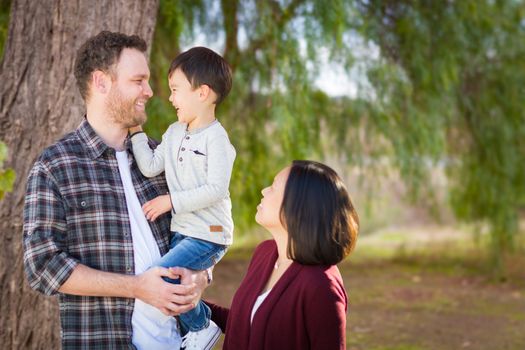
{"x": 47, "y": 262}
{"x": 221, "y": 156}
{"x": 150, "y": 162}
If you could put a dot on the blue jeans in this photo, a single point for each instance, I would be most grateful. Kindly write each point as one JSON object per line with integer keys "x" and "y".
{"x": 195, "y": 254}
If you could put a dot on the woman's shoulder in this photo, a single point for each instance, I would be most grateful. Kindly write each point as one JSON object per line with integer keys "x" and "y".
{"x": 323, "y": 277}
{"x": 263, "y": 254}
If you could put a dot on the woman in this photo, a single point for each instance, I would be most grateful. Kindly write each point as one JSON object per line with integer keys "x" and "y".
{"x": 292, "y": 296}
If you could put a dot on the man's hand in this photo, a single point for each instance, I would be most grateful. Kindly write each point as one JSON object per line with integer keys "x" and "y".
{"x": 199, "y": 279}
{"x": 156, "y": 207}
{"x": 170, "y": 299}
{"x": 135, "y": 129}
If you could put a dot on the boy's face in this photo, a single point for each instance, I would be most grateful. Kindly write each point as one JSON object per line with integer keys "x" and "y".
{"x": 183, "y": 97}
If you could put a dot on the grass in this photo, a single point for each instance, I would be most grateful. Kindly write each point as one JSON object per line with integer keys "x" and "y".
{"x": 416, "y": 288}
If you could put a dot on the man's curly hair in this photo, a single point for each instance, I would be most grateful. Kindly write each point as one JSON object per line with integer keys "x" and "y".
{"x": 100, "y": 52}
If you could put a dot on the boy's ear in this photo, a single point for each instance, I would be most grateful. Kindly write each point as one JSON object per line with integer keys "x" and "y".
{"x": 101, "y": 81}
{"x": 205, "y": 92}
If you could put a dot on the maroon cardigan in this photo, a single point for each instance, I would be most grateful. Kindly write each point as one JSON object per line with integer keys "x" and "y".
{"x": 306, "y": 308}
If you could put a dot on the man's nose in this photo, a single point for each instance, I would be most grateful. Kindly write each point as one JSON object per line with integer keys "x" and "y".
{"x": 147, "y": 90}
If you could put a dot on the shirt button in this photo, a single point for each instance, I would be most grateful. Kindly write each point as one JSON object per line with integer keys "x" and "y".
{"x": 183, "y": 149}
{"x": 187, "y": 137}
{"x": 180, "y": 159}
{"x": 128, "y": 268}
{"x": 125, "y": 234}
{"x": 83, "y": 204}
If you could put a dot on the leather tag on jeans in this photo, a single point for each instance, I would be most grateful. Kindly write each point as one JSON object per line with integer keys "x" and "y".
{"x": 215, "y": 228}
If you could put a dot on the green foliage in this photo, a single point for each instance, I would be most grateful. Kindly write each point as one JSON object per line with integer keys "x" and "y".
{"x": 450, "y": 88}
{"x": 4, "y": 20}
{"x": 445, "y": 89}
{"x": 7, "y": 176}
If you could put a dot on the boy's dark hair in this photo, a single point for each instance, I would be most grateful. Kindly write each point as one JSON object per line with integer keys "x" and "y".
{"x": 202, "y": 66}
{"x": 318, "y": 214}
{"x": 100, "y": 52}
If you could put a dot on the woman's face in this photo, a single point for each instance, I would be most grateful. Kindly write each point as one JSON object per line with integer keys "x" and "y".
{"x": 268, "y": 211}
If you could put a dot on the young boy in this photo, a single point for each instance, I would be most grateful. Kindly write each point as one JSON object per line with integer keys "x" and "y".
{"x": 197, "y": 158}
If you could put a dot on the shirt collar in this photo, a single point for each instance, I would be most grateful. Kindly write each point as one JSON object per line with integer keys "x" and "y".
{"x": 90, "y": 140}
{"x": 196, "y": 131}
{"x": 93, "y": 143}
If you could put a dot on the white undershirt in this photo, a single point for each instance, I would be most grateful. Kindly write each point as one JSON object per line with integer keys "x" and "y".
{"x": 151, "y": 328}
{"x": 258, "y": 303}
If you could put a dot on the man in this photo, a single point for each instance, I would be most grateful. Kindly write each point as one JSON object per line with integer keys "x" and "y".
{"x": 85, "y": 235}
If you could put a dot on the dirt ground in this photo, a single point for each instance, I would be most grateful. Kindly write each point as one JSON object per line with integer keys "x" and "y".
{"x": 402, "y": 306}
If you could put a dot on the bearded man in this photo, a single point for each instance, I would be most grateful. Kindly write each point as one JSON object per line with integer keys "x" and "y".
{"x": 86, "y": 238}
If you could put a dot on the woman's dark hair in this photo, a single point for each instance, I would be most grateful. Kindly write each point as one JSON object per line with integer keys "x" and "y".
{"x": 100, "y": 52}
{"x": 318, "y": 214}
{"x": 203, "y": 66}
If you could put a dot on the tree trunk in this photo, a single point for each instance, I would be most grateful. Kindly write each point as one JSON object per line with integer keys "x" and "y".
{"x": 39, "y": 102}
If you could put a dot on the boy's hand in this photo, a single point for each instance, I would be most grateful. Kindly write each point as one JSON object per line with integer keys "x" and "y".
{"x": 134, "y": 129}
{"x": 156, "y": 207}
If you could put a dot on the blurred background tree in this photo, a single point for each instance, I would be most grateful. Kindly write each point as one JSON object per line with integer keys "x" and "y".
{"x": 441, "y": 86}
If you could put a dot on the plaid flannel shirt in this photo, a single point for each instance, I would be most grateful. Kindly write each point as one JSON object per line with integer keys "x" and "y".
{"x": 75, "y": 212}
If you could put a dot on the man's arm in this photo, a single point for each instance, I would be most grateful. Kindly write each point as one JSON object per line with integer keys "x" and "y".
{"x": 171, "y": 299}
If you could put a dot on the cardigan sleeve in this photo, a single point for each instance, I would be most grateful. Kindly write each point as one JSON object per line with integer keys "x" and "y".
{"x": 327, "y": 325}
{"x": 219, "y": 315}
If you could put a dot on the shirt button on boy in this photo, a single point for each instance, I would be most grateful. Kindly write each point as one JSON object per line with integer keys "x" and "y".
{"x": 187, "y": 137}
{"x": 183, "y": 149}
{"x": 180, "y": 159}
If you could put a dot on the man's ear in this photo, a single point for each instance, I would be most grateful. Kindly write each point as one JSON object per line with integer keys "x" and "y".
{"x": 101, "y": 81}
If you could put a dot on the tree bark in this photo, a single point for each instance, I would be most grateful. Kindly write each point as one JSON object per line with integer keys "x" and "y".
{"x": 39, "y": 102}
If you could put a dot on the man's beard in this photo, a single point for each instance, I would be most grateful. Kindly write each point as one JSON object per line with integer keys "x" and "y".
{"x": 122, "y": 111}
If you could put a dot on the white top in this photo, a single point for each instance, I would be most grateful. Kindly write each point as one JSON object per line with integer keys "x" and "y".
{"x": 198, "y": 166}
{"x": 258, "y": 303}
{"x": 151, "y": 328}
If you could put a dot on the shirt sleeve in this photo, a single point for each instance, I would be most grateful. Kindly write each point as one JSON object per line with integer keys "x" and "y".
{"x": 220, "y": 158}
{"x": 47, "y": 263}
{"x": 150, "y": 162}
{"x": 327, "y": 327}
